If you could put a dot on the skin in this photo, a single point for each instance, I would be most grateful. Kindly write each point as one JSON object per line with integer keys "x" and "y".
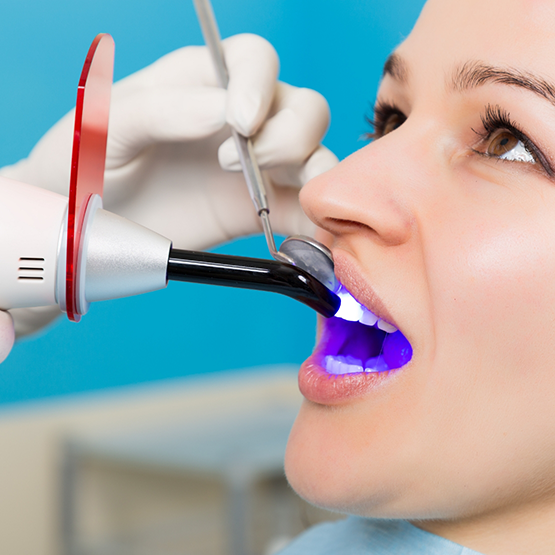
{"x": 460, "y": 247}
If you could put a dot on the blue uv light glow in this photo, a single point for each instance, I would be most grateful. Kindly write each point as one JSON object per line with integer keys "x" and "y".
{"x": 395, "y": 351}
{"x": 350, "y": 308}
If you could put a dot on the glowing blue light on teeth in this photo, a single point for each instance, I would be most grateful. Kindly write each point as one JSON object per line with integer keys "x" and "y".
{"x": 350, "y": 308}
{"x": 339, "y": 364}
{"x": 379, "y": 347}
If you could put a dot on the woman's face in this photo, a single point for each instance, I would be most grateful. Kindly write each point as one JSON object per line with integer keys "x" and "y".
{"x": 445, "y": 227}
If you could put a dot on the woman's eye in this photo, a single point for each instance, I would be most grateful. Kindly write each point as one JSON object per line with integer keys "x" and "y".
{"x": 387, "y": 118}
{"x": 504, "y": 145}
{"x": 392, "y": 122}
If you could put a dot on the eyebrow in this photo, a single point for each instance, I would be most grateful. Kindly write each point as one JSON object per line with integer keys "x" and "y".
{"x": 474, "y": 74}
{"x": 396, "y": 67}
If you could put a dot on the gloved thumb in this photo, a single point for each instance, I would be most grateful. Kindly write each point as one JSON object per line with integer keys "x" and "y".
{"x": 286, "y": 213}
{"x": 7, "y": 334}
{"x": 288, "y": 218}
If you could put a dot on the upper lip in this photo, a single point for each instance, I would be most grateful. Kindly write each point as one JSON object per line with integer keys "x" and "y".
{"x": 352, "y": 277}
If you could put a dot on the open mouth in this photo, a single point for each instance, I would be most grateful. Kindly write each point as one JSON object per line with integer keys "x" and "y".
{"x": 355, "y": 340}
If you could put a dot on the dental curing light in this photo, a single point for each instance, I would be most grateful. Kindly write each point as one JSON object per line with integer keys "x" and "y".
{"x": 117, "y": 258}
{"x": 252, "y": 273}
{"x": 71, "y": 253}
{"x": 298, "y": 250}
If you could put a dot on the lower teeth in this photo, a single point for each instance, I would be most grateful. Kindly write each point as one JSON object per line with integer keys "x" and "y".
{"x": 339, "y": 364}
{"x": 351, "y": 347}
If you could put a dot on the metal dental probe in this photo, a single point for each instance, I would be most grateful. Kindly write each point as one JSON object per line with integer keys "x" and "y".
{"x": 299, "y": 250}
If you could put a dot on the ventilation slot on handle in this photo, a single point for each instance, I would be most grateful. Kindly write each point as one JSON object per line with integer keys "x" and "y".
{"x": 31, "y": 269}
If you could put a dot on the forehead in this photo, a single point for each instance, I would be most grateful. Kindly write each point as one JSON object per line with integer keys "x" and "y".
{"x": 515, "y": 33}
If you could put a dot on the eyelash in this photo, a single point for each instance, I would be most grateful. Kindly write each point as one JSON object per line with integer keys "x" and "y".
{"x": 382, "y": 111}
{"x": 493, "y": 119}
{"x": 496, "y": 118}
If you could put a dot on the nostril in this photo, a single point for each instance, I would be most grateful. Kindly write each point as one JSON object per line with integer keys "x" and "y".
{"x": 362, "y": 194}
{"x": 335, "y": 227}
{"x": 383, "y": 221}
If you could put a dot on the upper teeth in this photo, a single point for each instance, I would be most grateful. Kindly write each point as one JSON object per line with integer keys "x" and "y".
{"x": 368, "y": 318}
{"x": 385, "y": 326}
{"x": 353, "y": 311}
{"x": 350, "y": 308}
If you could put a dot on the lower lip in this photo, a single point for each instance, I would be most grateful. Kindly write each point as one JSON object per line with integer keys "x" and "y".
{"x": 324, "y": 388}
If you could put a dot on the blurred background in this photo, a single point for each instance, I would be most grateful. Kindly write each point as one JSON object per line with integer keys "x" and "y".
{"x": 114, "y": 427}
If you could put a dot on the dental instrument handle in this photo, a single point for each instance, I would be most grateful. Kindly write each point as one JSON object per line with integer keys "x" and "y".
{"x": 252, "y": 273}
{"x": 211, "y": 34}
{"x": 252, "y": 174}
{"x": 257, "y": 191}
{"x": 251, "y": 171}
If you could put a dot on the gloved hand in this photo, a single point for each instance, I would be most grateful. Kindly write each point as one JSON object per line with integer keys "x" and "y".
{"x": 168, "y": 130}
{"x": 6, "y": 334}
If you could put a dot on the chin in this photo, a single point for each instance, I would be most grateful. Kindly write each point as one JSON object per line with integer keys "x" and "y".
{"x": 316, "y": 484}
{"x": 321, "y": 468}
{"x": 335, "y": 467}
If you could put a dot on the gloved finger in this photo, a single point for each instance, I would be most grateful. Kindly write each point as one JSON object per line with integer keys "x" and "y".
{"x": 30, "y": 320}
{"x": 190, "y": 66}
{"x": 290, "y": 136}
{"x": 252, "y": 64}
{"x": 321, "y": 160}
{"x": 253, "y": 67}
{"x": 7, "y": 334}
{"x": 286, "y": 213}
{"x": 162, "y": 115}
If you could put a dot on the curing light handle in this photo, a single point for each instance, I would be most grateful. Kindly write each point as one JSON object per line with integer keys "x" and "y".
{"x": 252, "y": 273}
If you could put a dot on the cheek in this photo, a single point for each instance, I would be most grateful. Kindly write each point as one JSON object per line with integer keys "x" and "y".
{"x": 492, "y": 370}
{"x": 499, "y": 287}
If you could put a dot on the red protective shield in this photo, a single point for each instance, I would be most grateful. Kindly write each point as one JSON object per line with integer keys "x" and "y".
{"x": 89, "y": 153}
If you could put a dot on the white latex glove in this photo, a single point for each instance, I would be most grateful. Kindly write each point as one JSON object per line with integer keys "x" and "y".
{"x": 7, "y": 335}
{"x": 167, "y": 125}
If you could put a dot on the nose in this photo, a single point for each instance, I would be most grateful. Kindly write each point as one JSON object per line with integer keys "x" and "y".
{"x": 364, "y": 193}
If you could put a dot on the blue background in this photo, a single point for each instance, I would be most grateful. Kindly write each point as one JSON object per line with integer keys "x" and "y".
{"x": 334, "y": 46}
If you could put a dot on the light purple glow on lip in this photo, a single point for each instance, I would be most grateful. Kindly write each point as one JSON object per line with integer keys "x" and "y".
{"x": 352, "y": 346}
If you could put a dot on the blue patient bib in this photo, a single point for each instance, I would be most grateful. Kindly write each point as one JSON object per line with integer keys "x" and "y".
{"x": 362, "y": 536}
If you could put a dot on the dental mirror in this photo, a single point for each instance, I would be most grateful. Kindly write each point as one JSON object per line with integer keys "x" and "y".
{"x": 298, "y": 250}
